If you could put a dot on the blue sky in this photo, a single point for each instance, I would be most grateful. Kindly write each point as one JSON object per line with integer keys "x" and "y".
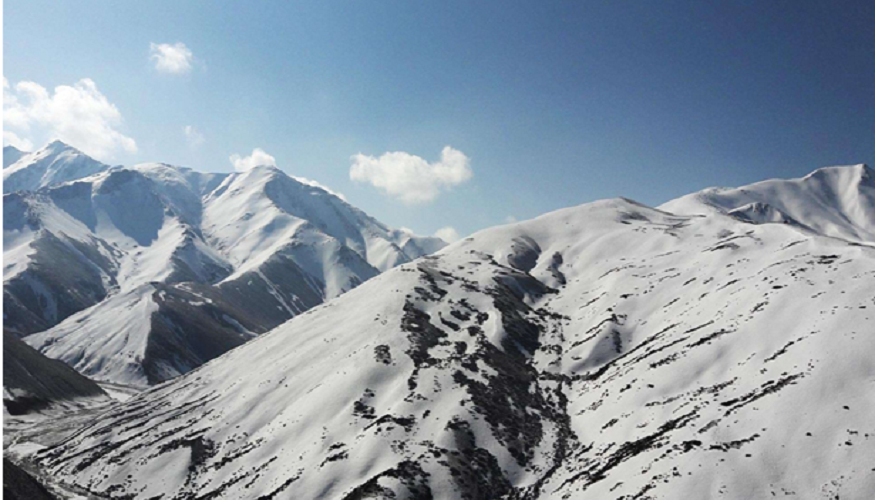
{"x": 551, "y": 104}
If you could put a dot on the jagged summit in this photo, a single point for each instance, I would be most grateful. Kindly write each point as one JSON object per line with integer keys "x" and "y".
{"x": 261, "y": 245}
{"x": 54, "y": 163}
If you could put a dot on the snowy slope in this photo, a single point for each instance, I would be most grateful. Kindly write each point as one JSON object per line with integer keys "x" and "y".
{"x": 149, "y": 334}
{"x": 835, "y": 201}
{"x": 53, "y": 266}
{"x": 53, "y": 164}
{"x": 609, "y": 350}
{"x": 69, "y": 246}
{"x": 255, "y": 213}
{"x": 264, "y": 246}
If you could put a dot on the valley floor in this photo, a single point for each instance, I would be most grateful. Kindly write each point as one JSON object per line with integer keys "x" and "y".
{"x": 24, "y": 435}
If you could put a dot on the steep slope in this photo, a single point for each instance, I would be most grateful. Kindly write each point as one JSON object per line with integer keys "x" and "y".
{"x": 150, "y": 334}
{"x": 834, "y": 201}
{"x": 255, "y": 213}
{"x": 604, "y": 351}
{"x": 68, "y": 247}
{"x": 53, "y": 265}
{"x": 11, "y": 154}
{"x": 53, "y": 164}
{"x": 262, "y": 215}
{"x": 33, "y": 382}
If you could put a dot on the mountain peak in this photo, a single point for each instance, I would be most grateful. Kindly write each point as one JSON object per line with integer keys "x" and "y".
{"x": 11, "y": 154}
{"x": 859, "y": 170}
{"x": 54, "y": 163}
{"x": 58, "y": 146}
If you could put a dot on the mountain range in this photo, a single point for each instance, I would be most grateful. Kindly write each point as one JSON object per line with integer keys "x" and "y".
{"x": 137, "y": 275}
{"x": 718, "y": 345}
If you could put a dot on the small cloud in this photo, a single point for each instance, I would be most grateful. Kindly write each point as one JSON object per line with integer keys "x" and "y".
{"x": 193, "y": 137}
{"x": 510, "y": 219}
{"x": 167, "y": 58}
{"x": 258, "y": 158}
{"x": 448, "y": 234}
{"x": 79, "y": 115}
{"x": 11, "y": 139}
{"x": 409, "y": 177}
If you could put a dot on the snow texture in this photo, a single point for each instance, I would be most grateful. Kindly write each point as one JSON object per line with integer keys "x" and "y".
{"x": 705, "y": 349}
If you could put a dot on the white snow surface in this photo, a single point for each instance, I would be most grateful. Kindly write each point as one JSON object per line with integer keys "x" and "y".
{"x": 83, "y": 340}
{"x": 609, "y": 350}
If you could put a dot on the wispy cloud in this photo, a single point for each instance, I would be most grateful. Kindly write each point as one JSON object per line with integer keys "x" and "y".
{"x": 258, "y": 158}
{"x": 79, "y": 114}
{"x": 410, "y": 178}
{"x": 193, "y": 137}
{"x": 10, "y": 138}
{"x": 171, "y": 58}
{"x": 448, "y": 234}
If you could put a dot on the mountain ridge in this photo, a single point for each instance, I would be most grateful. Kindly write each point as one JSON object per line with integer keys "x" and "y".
{"x": 259, "y": 238}
{"x": 836, "y": 201}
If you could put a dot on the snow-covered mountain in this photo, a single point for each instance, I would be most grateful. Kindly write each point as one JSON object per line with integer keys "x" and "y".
{"x": 610, "y": 350}
{"x": 135, "y": 275}
{"x": 53, "y": 164}
{"x": 834, "y": 201}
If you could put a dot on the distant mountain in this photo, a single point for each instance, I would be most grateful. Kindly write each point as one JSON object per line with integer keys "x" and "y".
{"x": 833, "y": 201}
{"x": 11, "y": 154}
{"x": 194, "y": 263}
{"x": 610, "y": 350}
{"x": 33, "y": 382}
{"x": 55, "y": 163}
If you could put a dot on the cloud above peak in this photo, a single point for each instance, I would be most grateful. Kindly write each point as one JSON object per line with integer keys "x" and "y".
{"x": 411, "y": 178}
{"x": 10, "y": 138}
{"x": 258, "y": 158}
{"x": 193, "y": 136}
{"x": 448, "y": 234}
{"x": 77, "y": 114}
{"x": 171, "y": 58}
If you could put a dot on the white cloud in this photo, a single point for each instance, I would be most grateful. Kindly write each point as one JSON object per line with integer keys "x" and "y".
{"x": 410, "y": 178}
{"x": 193, "y": 137}
{"x": 11, "y": 139}
{"x": 167, "y": 58}
{"x": 448, "y": 234}
{"x": 258, "y": 158}
{"x": 79, "y": 115}
{"x": 510, "y": 219}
